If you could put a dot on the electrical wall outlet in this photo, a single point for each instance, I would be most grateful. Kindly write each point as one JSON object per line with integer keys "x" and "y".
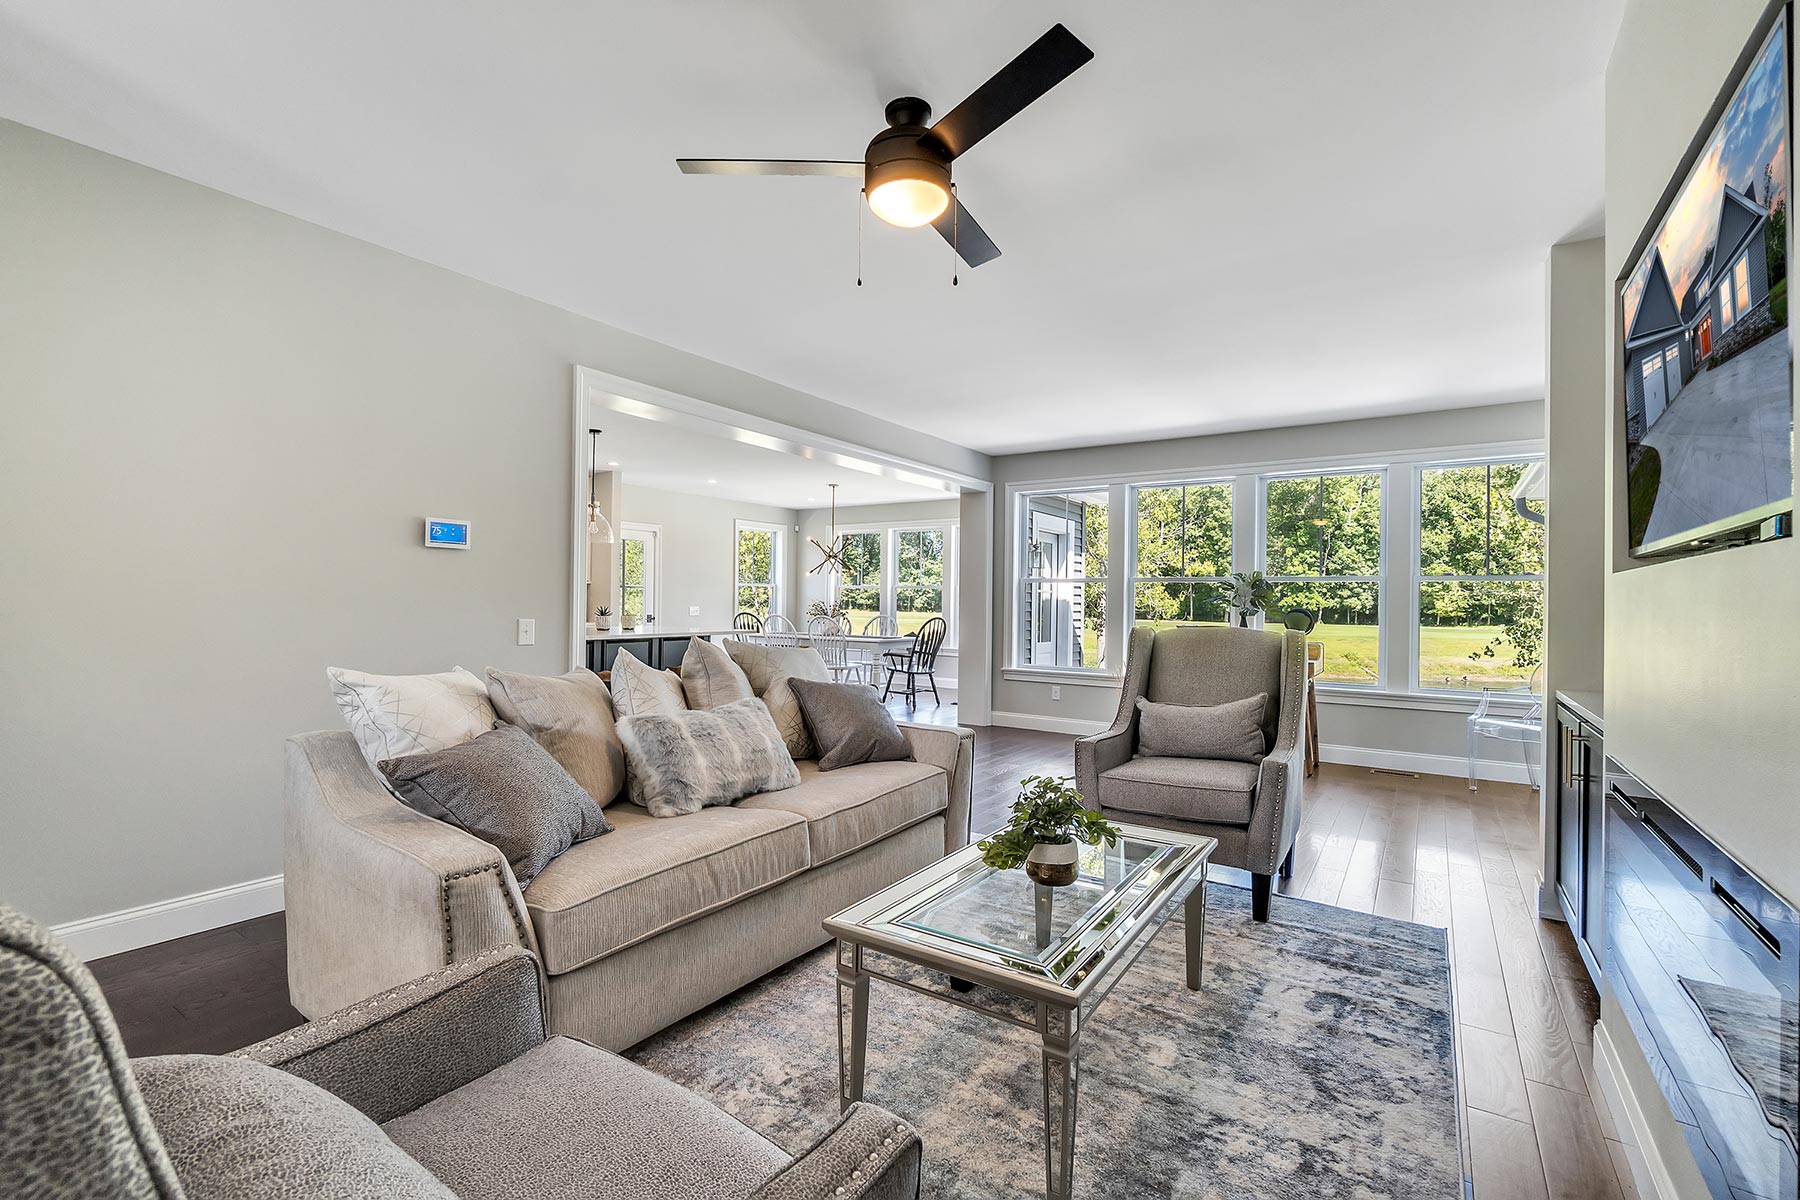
{"x": 1056, "y": 691}
{"x": 527, "y": 631}
{"x": 693, "y": 610}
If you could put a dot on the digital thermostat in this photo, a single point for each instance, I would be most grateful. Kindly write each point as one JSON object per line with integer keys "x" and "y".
{"x": 441, "y": 534}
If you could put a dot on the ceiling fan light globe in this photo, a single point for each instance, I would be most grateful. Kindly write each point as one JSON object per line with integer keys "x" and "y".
{"x": 909, "y": 203}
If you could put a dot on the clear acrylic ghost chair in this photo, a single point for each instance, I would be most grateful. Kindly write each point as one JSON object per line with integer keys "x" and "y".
{"x": 1526, "y": 728}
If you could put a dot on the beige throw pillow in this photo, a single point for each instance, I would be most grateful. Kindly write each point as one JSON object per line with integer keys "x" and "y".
{"x": 769, "y": 668}
{"x": 683, "y": 762}
{"x": 571, "y": 716}
{"x": 396, "y": 715}
{"x": 639, "y": 690}
{"x": 709, "y": 679}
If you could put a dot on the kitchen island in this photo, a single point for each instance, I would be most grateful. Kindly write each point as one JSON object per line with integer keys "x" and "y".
{"x": 657, "y": 646}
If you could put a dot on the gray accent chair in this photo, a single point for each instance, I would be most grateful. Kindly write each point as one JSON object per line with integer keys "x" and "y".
{"x": 443, "y": 1087}
{"x": 1252, "y": 808}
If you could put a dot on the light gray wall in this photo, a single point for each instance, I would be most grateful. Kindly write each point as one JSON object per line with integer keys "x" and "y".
{"x": 1575, "y": 407}
{"x": 223, "y": 427}
{"x": 1413, "y": 731}
{"x": 698, "y": 549}
{"x": 1701, "y": 695}
{"x": 1701, "y": 691}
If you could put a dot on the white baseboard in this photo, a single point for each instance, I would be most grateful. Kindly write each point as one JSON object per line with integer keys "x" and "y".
{"x": 1648, "y": 1171}
{"x": 1424, "y": 764}
{"x": 148, "y": 924}
{"x": 1018, "y": 720}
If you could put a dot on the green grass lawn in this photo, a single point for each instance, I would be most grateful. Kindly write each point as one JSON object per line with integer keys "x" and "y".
{"x": 1352, "y": 655}
{"x": 909, "y": 622}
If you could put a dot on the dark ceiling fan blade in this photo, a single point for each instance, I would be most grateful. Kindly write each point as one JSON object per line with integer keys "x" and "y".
{"x": 1043, "y": 64}
{"x": 972, "y": 243}
{"x": 759, "y": 166}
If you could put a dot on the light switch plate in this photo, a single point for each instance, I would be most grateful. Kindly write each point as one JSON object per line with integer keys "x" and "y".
{"x": 1056, "y": 691}
{"x": 693, "y": 610}
{"x": 527, "y": 631}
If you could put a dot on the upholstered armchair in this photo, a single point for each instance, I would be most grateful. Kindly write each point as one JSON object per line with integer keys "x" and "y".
{"x": 1253, "y": 808}
{"x": 443, "y": 1087}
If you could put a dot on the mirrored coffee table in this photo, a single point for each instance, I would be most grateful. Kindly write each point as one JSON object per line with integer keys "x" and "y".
{"x": 1037, "y": 957}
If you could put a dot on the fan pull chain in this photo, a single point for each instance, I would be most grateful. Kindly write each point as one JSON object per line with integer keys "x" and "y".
{"x": 955, "y": 228}
{"x": 859, "y": 207}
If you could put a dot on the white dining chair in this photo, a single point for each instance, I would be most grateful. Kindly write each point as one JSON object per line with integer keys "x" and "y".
{"x": 828, "y": 638}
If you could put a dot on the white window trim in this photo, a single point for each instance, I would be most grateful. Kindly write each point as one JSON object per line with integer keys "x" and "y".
{"x": 777, "y": 564}
{"x": 1419, "y": 578}
{"x": 1110, "y": 583}
{"x": 1132, "y": 578}
{"x": 890, "y": 569}
{"x": 1400, "y": 562}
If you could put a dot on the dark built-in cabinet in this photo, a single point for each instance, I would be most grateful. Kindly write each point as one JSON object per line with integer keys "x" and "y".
{"x": 1579, "y": 779}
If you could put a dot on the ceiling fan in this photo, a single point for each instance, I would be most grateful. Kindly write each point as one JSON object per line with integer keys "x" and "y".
{"x": 906, "y": 169}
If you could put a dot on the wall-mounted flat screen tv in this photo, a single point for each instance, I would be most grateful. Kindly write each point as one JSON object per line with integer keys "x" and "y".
{"x": 1703, "y": 313}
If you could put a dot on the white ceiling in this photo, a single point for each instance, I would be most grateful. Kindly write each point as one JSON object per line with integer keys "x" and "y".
{"x": 1238, "y": 215}
{"x": 703, "y": 458}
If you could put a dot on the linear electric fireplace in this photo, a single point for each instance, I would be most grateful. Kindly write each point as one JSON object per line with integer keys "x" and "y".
{"x": 1705, "y": 962}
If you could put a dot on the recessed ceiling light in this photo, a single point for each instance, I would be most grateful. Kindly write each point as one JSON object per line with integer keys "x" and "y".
{"x": 712, "y": 481}
{"x": 612, "y": 464}
{"x": 812, "y": 499}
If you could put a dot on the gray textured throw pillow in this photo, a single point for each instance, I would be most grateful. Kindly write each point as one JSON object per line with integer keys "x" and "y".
{"x": 571, "y": 716}
{"x": 506, "y": 790}
{"x": 1231, "y": 731}
{"x": 679, "y": 763}
{"x": 240, "y": 1130}
{"x": 849, "y": 724}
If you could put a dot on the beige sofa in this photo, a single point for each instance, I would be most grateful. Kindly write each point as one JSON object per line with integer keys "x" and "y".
{"x": 636, "y": 928}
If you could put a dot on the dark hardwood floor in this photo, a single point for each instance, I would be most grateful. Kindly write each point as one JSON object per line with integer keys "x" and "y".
{"x": 1418, "y": 848}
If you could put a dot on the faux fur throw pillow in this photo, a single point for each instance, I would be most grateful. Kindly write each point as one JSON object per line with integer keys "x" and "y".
{"x": 678, "y": 763}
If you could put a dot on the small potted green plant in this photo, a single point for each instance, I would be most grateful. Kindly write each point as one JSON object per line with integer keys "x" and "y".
{"x": 603, "y": 617}
{"x": 1249, "y": 593}
{"x": 1048, "y": 821}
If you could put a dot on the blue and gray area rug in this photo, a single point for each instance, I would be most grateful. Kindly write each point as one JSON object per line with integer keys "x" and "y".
{"x": 1317, "y": 1062}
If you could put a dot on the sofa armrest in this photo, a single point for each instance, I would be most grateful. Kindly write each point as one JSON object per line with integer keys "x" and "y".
{"x": 870, "y": 1154}
{"x": 1275, "y": 818}
{"x": 953, "y": 749}
{"x": 377, "y": 894}
{"x": 391, "y": 1053}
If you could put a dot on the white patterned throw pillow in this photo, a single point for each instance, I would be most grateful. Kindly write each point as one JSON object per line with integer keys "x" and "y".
{"x": 640, "y": 690}
{"x": 396, "y": 715}
{"x": 769, "y": 668}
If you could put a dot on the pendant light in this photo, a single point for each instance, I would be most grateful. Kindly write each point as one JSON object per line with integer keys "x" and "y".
{"x": 832, "y": 560}
{"x": 599, "y": 528}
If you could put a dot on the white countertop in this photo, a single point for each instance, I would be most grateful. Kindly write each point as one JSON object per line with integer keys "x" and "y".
{"x": 652, "y": 631}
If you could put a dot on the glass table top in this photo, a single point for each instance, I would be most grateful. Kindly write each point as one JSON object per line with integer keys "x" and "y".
{"x": 960, "y": 909}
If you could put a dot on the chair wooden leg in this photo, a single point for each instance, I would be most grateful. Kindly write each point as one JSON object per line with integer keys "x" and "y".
{"x": 931, "y": 678}
{"x": 889, "y": 689}
{"x": 1260, "y": 886}
{"x": 1287, "y": 864}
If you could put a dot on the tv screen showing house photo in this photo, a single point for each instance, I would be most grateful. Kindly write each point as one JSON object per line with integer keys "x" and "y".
{"x": 1709, "y": 408}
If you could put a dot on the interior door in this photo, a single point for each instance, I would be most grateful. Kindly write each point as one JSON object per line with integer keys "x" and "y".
{"x": 1050, "y": 606}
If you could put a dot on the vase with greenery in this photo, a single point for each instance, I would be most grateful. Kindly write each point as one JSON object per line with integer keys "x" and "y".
{"x": 603, "y": 617}
{"x": 1048, "y": 821}
{"x": 1249, "y": 593}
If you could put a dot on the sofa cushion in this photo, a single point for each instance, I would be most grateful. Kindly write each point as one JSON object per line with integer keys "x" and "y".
{"x": 1190, "y": 789}
{"x": 506, "y": 790}
{"x": 679, "y": 763}
{"x": 651, "y": 873}
{"x": 1233, "y": 730}
{"x": 396, "y": 715}
{"x": 570, "y": 716}
{"x": 239, "y": 1130}
{"x": 851, "y": 807}
{"x": 709, "y": 679}
{"x": 641, "y": 689}
{"x": 769, "y": 668}
{"x": 567, "y": 1121}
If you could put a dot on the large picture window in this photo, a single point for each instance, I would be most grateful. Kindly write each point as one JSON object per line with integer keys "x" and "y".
{"x": 1183, "y": 553}
{"x": 859, "y": 585}
{"x": 637, "y": 575}
{"x": 1481, "y": 577}
{"x": 1322, "y": 548}
{"x": 1062, "y": 575}
{"x": 758, "y": 568}
{"x": 918, "y": 576}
